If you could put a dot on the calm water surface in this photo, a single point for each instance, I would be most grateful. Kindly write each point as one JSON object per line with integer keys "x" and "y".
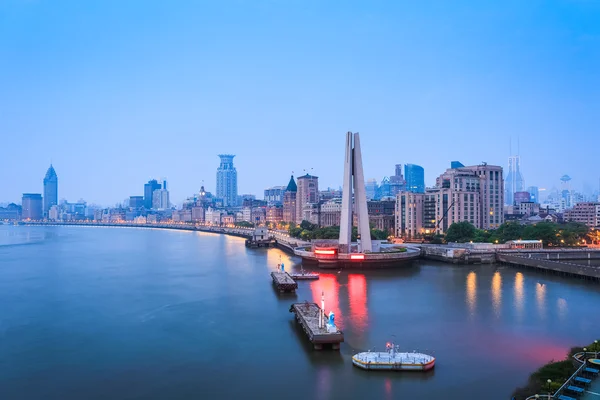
{"x": 117, "y": 313}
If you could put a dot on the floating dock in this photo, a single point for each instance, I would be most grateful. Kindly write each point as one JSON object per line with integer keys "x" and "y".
{"x": 304, "y": 276}
{"x": 319, "y": 333}
{"x": 393, "y": 360}
{"x": 284, "y": 282}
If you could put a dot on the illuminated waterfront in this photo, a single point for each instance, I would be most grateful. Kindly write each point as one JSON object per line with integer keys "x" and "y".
{"x": 115, "y": 313}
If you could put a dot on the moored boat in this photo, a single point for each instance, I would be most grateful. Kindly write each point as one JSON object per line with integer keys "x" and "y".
{"x": 303, "y": 275}
{"x": 393, "y": 360}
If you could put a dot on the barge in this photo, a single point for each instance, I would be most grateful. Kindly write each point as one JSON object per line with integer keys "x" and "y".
{"x": 393, "y": 360}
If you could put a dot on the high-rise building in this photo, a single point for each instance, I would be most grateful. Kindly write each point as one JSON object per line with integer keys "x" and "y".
{"x": 149, "y": 189}
{"x": 274, "y": 195}
{"x": 50, "y": 190}
{"x": 514, "y": 180}
{"x": 534, "y": 192}
{"x": 371, "y": 187}
{"x": 160, "y": 199}
{"x": 289, "y": 201}
{"x": 397, "y": 181}
{"x": 308, "y": 193}
{"x": 32, "y": 206}
{"x": 415, "y": 178}
{"x": 227, "y": 188}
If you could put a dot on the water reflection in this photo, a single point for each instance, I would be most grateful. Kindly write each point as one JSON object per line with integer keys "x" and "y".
{"x": 328, "y": 285}
{"x": 388, "y": 388}
{"x": 540, "y": 297}
{"x": 561, "y": 305}
{"x": 519, "y": 295}
{"x": 472, "y": 292}
{"x": 357, "y": 291}
{"x": 497, "y": 293}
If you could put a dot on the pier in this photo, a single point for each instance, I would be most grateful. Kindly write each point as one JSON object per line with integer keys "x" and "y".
{"x": 310, "y": 317}
{"x": 284, "y": 282}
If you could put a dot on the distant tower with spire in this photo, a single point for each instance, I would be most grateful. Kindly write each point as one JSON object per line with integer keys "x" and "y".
{"x": 514, "y": 181}
{"x": 50, "y": 189}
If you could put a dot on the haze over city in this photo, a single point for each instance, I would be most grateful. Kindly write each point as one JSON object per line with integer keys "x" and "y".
{"x": 116, "y": 93}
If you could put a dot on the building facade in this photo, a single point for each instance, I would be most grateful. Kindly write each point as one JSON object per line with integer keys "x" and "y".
{"x": 160, "y": 199}
{"x": 136, "y": 202}
{"x": 50, "y": 190}
{"x": 331, "y": 212}
{"x": 227, "y": 188}
{"x": 586, "y": 213}
{"x": 514, "y": 180}
{"x": 308, "y": 193}
{"x": 289, "y": 201}
{"x": 32, "y": 206}
{"x": 275, "y": 214}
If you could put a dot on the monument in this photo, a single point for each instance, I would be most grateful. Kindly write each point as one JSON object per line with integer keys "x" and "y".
{"x": 354, "y": 178}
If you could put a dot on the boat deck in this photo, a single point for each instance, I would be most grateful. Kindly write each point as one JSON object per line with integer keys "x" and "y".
{"x": 387, "y": 358}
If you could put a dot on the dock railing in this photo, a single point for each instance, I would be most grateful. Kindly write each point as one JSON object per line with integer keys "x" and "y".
{"x": 567, "y": 383}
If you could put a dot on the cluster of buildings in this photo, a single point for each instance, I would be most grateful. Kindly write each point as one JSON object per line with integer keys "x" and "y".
{"x": 400, "y": 204}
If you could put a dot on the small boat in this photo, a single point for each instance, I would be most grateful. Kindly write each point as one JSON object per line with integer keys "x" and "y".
{"x": 303, "y": 275}
{"x": 393, "y": 360}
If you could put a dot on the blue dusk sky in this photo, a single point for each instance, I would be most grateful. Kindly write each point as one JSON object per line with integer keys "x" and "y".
{"x": 117, "y": 92}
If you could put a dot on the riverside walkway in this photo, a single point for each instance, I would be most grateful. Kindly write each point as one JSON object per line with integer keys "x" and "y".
{"x": 284, "y": 241}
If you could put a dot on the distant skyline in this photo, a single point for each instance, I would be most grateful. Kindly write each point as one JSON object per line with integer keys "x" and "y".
{"x": 116, "y": 93}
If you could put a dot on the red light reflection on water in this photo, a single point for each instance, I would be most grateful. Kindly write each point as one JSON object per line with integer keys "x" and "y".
{"x": 328, "y": 283}
{"x": 357, "y": 291}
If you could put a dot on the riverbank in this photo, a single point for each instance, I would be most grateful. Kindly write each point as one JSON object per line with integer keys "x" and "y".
{"x": 557, "y": 371}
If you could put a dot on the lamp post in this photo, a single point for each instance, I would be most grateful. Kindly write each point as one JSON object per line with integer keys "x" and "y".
{"x": 596, "y": 347}
{"x": 549, "y": 382}
{"x": 584, "y": 354}
{"x": 537, "y": 396}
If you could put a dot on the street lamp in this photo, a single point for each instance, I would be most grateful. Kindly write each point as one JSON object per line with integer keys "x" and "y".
{"x": 584, "y": 353}
{"x": 596, "y": 347}
{"x": 549, "y": 382}
{"x": 537, "y": 396}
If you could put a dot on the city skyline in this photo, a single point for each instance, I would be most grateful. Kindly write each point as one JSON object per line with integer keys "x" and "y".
{"x": 449, "y": 82}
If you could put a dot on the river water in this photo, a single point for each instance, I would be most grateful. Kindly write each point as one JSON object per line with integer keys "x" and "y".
{"x": 122, "y": 313}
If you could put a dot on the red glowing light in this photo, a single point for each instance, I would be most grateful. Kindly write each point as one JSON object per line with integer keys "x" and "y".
{"x": 328, "y": 252}
{"x": 357, "y": 256}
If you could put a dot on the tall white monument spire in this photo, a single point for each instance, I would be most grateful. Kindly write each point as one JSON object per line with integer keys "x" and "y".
{"x": 354, "y": 178}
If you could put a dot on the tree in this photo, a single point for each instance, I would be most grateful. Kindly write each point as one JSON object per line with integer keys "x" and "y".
{"x": 377, "y": 234}
{"x": 461, "y": 232}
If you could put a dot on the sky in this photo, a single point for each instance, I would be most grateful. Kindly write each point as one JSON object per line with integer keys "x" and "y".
{"x": 115, "y": 93}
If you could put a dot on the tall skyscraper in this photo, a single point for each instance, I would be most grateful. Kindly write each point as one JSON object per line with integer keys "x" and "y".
{"x": 534, "y": 192}
{"x": 308, "y": 193}
{"x": 32, "y": 206}
{"x": 415, "y": 178}
{"x": 160, "y": 199}
{"x": 289, "y": 201}
{"x": 514, "y": 180}
{"x": 149, "y": 189}
{"x": 397, "y": 181}
{"x": 227, "y": 188}
{"x": 50, "y": 190}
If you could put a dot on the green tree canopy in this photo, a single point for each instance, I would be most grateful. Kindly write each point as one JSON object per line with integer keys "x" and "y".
{"x": 461, "y": 232}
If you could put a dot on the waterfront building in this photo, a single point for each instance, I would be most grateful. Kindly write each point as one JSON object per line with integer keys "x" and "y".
{"x": 10, "y": 212}
{"x": 50, "y": 190}
{"x": 381, "y": 215}
{"x": 586, "y": 213}
{"x": 136, "y": 202}
{"x": 275, "y": 214}
{"x": 247, "y": 214}
{"x": 289, "y": 201}
{"x": 149, "y": 189}
{"x": 274, "y": 195}
{"x": 198, "y": 214}
{"x": 473, "y": 194}
{"x": 183, "y": 215}
{"x": 415, "y": 178}
{"x": 331, "y": 212}
{"x": 54, "y": 213}
{"x": 312, "y": 213}
{"x": 32, "y": 206}
{"x": 227, "y": 187}
{"x": 213, "y": 216}
{"x": 514, "y": 179}
{"x": 258, "y": 215}
{"x": 308, "y": 193}
{"x": 160, "y": 199}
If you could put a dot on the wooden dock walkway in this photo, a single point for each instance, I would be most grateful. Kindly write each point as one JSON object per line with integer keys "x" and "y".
{"x": 307, "y": 315}
{"x": 284, "y": 282}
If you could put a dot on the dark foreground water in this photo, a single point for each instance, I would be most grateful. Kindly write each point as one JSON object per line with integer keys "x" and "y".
{"x": 118, "y": 313}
